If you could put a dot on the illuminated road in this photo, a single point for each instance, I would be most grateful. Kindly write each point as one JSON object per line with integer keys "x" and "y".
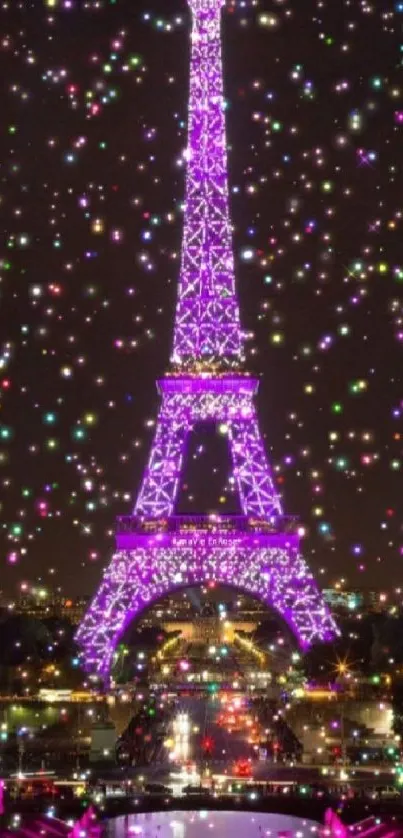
{"x": 196, "y": 720}
{"x": 227, "y": 747}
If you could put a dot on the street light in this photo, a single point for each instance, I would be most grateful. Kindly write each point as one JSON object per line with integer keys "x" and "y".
{"x": 21, "y": 749}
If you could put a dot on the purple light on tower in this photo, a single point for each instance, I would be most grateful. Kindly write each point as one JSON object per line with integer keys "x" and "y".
{"x": 228, "y": 402}
{"x": 158, "y": 552}
{"x": 207, "y": 324}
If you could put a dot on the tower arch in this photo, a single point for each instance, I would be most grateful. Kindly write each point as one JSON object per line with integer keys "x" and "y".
{"x": 269, "y": 568}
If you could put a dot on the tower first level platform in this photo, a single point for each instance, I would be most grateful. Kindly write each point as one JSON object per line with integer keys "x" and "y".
{"x": 155, "y": 558}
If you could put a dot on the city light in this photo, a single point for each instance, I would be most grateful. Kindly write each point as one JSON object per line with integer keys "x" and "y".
{"x": 181, "y": 744}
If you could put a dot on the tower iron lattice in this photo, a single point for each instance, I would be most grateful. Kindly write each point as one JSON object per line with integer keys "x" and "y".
{"x": 157, "y": 551}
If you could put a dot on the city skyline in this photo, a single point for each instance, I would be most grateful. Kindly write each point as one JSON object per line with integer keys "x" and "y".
{"x": 76, "y": 442}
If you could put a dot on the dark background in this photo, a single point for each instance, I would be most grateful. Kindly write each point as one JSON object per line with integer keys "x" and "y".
{"x": 315, "y": 190}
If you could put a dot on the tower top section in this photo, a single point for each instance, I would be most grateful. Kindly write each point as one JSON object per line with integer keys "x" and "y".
{"x": 207, "y": 324}
{"x": 205, "y": 5}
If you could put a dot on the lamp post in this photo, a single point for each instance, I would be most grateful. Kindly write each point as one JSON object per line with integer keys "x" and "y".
{"x": 343, "y": 673}
{"x": 21, "y": 750}
{"x": 343, "y": 741}
{"x": 78, "y": 749}
{"x": 4, "y": 731}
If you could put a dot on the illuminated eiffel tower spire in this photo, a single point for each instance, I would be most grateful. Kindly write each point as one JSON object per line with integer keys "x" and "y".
{"x": 207, "y": 324}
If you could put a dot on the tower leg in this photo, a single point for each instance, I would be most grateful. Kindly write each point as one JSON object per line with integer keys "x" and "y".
{"x": 159, "y": 489}
{"x": 251, "y": 468}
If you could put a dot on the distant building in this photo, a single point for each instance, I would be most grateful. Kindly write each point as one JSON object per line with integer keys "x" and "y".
{"x": 364, "y": 599}
{"x": 41, "y": 605}
{"x": 349, "y": 600}
{"x": 103, "y": 742}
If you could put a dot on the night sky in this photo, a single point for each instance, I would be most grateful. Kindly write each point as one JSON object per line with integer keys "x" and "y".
{"x": 93, "y": 126}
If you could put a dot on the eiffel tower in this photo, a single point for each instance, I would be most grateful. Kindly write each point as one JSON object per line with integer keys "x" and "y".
{"x": 158, "y": 552}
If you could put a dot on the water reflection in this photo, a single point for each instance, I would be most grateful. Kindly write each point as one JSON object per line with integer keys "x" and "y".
{"x": 210, "y": 825}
